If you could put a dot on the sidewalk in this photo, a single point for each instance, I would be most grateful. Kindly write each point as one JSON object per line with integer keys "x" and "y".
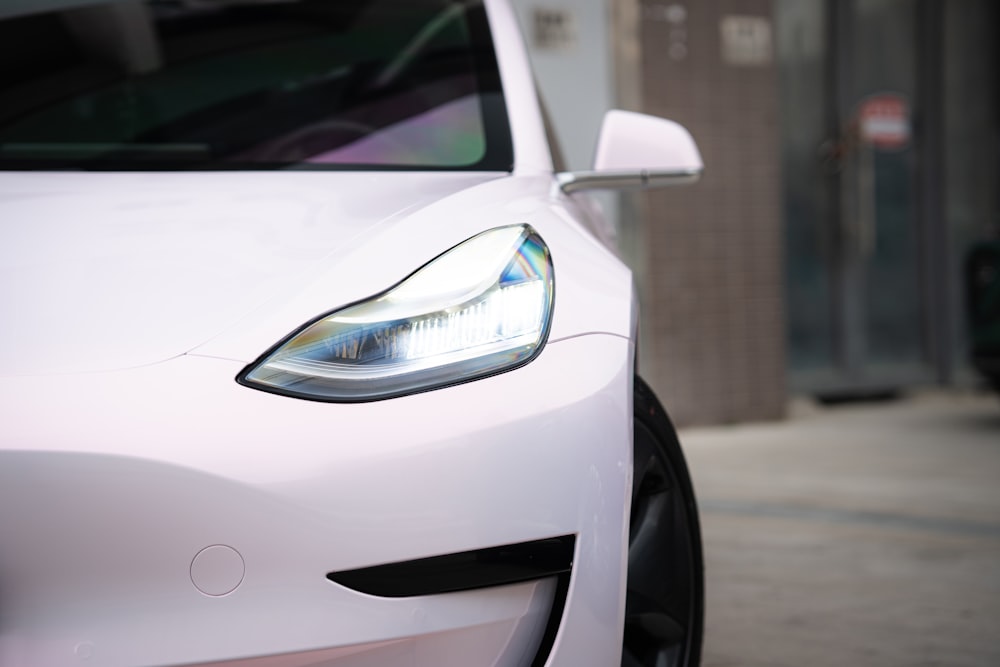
{"x": 853, "y": 535}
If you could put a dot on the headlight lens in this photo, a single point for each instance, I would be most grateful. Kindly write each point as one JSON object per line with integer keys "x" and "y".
{"x": 480, "y": 308}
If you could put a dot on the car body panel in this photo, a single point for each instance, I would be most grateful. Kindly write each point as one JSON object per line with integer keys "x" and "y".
{"x": 310, "y": 488}
{"x": 191, "y": 246}
{"x": 152, "y": 265}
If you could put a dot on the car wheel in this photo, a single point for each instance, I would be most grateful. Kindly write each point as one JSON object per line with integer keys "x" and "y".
{"x": 664, "y": 604}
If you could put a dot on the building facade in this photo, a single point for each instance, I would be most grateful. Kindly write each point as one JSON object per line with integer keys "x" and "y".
{"x": 851, "y": 151}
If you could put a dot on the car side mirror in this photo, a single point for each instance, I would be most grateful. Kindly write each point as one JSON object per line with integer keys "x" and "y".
{"x": 637, "y": 151}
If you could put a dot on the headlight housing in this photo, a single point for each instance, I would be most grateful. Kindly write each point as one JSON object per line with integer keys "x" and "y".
{"x": 481, "y": 308}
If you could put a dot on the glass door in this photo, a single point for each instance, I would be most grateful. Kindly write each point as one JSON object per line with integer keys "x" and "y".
{"x": 854, "y": 250}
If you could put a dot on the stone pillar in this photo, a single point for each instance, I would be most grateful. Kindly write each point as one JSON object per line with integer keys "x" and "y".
{"x": 712, "y": 273}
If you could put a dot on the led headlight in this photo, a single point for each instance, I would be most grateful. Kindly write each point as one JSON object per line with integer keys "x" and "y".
{"x": 480, "y": 308}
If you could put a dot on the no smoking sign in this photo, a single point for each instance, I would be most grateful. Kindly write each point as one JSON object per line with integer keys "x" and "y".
{"x": 884, "y": 121}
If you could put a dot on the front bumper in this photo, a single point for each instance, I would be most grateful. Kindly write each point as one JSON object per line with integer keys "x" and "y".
{"x": 112, "y": 484}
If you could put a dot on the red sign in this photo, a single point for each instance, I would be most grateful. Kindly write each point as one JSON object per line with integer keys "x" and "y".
{"x": 884, "y": 121}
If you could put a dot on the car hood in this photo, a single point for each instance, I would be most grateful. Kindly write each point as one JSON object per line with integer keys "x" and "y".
{"x": 104, "y": 271}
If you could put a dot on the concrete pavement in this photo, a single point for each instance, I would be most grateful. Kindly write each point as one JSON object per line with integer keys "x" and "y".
{"x": 853, "y": 535}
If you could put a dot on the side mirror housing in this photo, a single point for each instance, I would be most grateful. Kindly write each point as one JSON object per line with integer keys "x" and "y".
{"x": 636, "y": 151}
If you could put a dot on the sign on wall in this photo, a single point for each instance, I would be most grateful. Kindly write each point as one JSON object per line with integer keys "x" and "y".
{"x": 553, "y": 29}
{"x": 746, "y": 40}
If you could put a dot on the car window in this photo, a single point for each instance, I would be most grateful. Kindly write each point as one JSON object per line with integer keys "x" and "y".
{"x": 221, "y": 84}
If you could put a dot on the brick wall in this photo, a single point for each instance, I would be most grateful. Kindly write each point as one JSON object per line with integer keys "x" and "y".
{"x": 712, "y": 283}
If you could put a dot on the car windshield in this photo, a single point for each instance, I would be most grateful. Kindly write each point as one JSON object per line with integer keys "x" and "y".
{"x": 249, "y": 84}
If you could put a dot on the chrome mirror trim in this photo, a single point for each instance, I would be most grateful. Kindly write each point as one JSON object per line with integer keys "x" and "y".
{"x": 574, "y": 181}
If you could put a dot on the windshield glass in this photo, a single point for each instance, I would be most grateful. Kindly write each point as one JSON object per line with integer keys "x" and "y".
{"x": 252, "y": 84}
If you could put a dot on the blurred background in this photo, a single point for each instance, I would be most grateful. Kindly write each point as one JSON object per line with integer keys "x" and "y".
{"x": 844, "y": 233}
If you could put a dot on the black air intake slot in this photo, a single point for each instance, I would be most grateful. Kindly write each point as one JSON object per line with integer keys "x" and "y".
{"x": 467, "y": 570}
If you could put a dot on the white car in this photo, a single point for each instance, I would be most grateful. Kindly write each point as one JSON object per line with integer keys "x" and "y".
{"x": 311, "y": 357}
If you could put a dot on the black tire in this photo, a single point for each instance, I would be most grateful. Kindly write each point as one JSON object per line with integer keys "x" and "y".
{"x": 665, "y": 601}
